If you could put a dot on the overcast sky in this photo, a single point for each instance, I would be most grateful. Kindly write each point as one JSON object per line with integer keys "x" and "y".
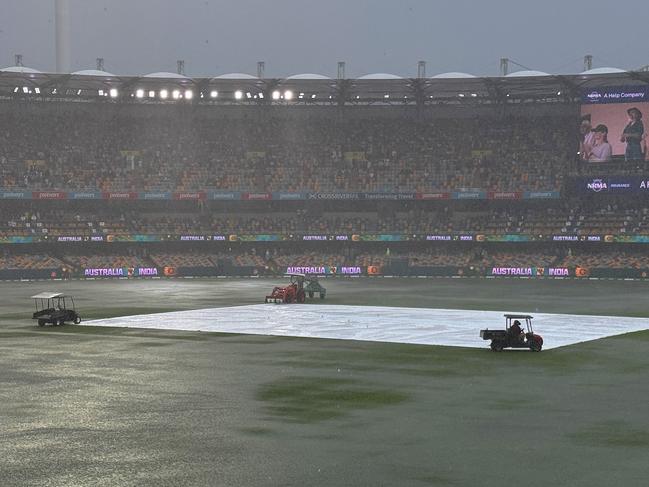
{"x": 300, "y": 36}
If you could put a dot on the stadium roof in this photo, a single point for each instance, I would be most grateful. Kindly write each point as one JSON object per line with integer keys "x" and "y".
{"x": 452, "y": 74}
{"x": 235, "y": 76}
{"x": 380, "y": 76}
{"x": 93, "y": 72}
{"x": 528, "y": 73}
{"x": 165, "y": 75}
{"x": 308, "y": 76}
{"x": 20, "y": 69}
{"x": 604, "y": 71}
{"x": 378, "y": 88}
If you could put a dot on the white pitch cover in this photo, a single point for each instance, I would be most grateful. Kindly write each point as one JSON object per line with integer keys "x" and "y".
{"x": 449, "y": 327}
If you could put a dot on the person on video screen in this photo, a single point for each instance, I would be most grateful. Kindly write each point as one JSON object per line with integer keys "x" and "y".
{"x": 600, "y": 150}
{"x": 633, "y": 136}
{"x": 586, "y": 136}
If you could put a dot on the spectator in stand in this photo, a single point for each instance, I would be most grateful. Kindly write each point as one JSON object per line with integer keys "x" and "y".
{"x": 633, "y": 135}
{"x": 600, "y": 149}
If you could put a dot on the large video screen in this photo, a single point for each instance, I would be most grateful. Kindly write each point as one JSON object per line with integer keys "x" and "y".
{"x": 613, "y": 124}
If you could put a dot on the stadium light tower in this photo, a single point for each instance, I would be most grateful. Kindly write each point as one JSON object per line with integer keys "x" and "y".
{"x": 421, "y": 69}
{"x": 18, "y": 59}
{"x": 180, "y": 67}
{"x": 261, "y": 67}
{"x": 100, "y": 64}
{"x": 504, "y": 66}
{"x": 341, "y": 69}
{"x": 62, "y": 26}
{"x": 588, "y": 62}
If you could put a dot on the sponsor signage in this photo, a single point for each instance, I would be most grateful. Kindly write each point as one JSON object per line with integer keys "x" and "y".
{"x": 119, "y": 195}
{"x": 69, "y": 239}
{"x": 288, "y": 196}
{"x": 15, "y": 195}
{"x": 315, "y": 237}
{"x": 225, "y": 195}
{"x": 155, "y": 196}
{"x": 194, "y": 238}
{"x": 469, "y": 195}
{"x": 16, "y": 239}
{"x": 433, "y": 196}
{"x": 505, "y": 195}
{"x": 325, "y": 270}
{"x": 257, "y": 196}
{"x": 533, "y": 195}
{"x": 84, "y": 195}
{"x": 617, "y": 94}
{"x": 530, "y": 271}
{"x": 334, "y": 196}
{"x": 121, "y": 272}
{"x": 197, "y": 195}
{"x": 49, "y": 195}
{"x": 390, "y": 196}
{"x": 613, "y": 184}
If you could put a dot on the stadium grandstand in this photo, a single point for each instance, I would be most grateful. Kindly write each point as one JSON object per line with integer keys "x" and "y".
{"x": 167, "y": 175}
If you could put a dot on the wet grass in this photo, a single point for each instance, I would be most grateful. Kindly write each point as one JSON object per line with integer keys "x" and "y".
{"x": 616, "y": 434}
{"x": 314, "y": 399}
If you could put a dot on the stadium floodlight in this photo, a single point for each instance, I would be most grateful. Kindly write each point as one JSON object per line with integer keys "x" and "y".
{"x": 261, "y": 95}
{"x": 113, "y": 92}
{"x": 313, "y": 97}
{"x": 189, "y": 94}
{"x": 139, "y": 93}
{"x": 461, "y": 95}
{"x": 25, "y": 89}
{"x": 386, "y": 96}
{"x": 55, "y": 91}
{"x": 214, "y": 94}
{"x": 276, "y": 95}
{"x": 558, "y": 93}
{"x": 16, "y": 89}
{"x": 37, "y": 90}
{"x": 474, "y": 95}
{"x": 175, "y": 94}
{"x": 238, "y": 95}
{"x": 288, "y": 95}
{"x": 164, "y": 94}
{"x": 151, "y": 94}
{"x": 78, "y": 92}
{"x": 248, "y": 95}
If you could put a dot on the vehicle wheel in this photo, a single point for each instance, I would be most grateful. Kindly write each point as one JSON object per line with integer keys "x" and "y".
{"x": 301, "y": 297}
{"x": 41, "y": 322}
{"x": 535, "y": 346}
{"x": 497, "y": 346}
{"x": 77, "y": 320}
{"x": 311, "y": 294}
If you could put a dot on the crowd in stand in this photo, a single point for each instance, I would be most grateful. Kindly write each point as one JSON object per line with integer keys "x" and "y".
{"x": 99, "y": 148}
{"x": 571, "y": 218}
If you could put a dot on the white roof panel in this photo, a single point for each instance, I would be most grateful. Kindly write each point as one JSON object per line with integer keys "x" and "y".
{"x": 604, "y": 71}
{"x": 452, "y": 74}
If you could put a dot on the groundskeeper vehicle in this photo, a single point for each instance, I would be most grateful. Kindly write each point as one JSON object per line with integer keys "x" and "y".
{"x": 296, "y": 292}
{"x": 314, "y": 287}
{"x": 55, "y": 308}
{"x": 514, "y": 336}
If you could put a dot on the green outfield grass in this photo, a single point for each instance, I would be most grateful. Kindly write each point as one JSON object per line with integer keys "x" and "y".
{"x": 111, "y": 406}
